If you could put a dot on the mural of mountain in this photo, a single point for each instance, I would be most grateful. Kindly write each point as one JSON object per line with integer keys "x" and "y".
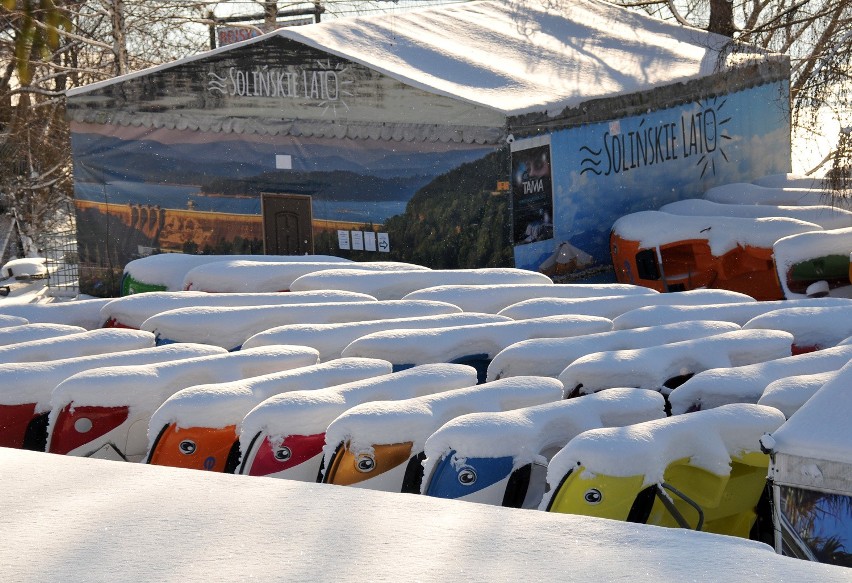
{"x": 147, "y": 160}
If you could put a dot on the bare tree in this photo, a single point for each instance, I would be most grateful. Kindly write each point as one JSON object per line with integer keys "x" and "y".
{"x": 49, "y": 46}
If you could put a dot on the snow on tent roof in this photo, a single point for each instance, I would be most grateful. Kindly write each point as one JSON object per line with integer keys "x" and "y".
{"x": 385, "y": 422}
{"x": 9, "y": 321}
{"x": 745, "y": 193}
{"x": 788, "y": 394}
{"x": 745, "y": 384}
{"x": 654, "y": 228}
{"x": 651, "y": 367}
{"x": 810, "y": 326}
{"x": 169, "y": 269}
{"x": 737, "y": 313}
{"x": 805, "y": 246}
{"x": 549, "y": 356}
{"x": 708, "y": 438}
{"x": 34, "y": 382}
{"x": 610, "y": 307}
{"x": 83, "y": 313}
{"x": 229, "y": 327}
{"x": 29, "y": 332}
{"x": 310, "y": 412}
{"x": 162, "y": 514}
{"x": 395, "y": 284}
{"x": 81, "y": 344}
{"x": 133, "y": 310}
{"x": 240, "y": 275}
{"x": 493, "y": 298}
{"x": 826, "y": 216}
{"x": 331, "y": 339}
{"x": 788, "y": 181}
{"x": 218, "y": 405}
{"x": 516, "y": 57}
{"x": 525, "y": 433}
{"x": 422, "y": 346}
{"x": 820, "y": 428}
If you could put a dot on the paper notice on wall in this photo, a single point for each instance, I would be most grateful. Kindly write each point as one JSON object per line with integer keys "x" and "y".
{"x": 358, "y": 240}
{"x": 384, "y": 242}
{"x": 283, "y": 162}
{"x": 343, "y": 239}
{"x": 369, "y": 241}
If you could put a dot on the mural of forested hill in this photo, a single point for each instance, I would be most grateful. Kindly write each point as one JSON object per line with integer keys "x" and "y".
{"x": 457, "y": 221}
{"x": 335, "y": 185}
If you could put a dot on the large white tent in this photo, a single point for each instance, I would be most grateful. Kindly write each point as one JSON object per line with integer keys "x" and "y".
{"x": 380, "y": 122}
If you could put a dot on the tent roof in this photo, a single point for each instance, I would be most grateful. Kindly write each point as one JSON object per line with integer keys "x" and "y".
{"x": 515, "y": 56}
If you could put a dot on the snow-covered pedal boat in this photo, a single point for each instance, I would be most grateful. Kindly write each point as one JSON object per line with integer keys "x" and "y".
{"x": 166, "y": 271}
{"x": 675, "y": 253}
{"x": 663, "y": 368}
{"x": 492, "y": 298}
{"x": 390, "y": 285}
{"x": 229, "y": 327}
{"x": 240, "y": 275}
{"x": 474, "y": 345}
{"x": 548, "y": 357}
{"x": 283, "y": 437}
{"x": 196, "y": 428}
{"x": 815, "y": 263}
{"x": 379, "y": 446}
{"x": 501, "y": 458}
{"x": 812, "y": 327}
{"x": 746, "y": 384}
{"x": 25, "y": 388}
{"x": 131, "y": 311}
{"x": 738, "y": 313}
{"x": 331, "y": 339}
{"x": 86, "y": 343}
{"x": 105, "y": 412}
{"x": 703, "y": 471}
{"x": 613, "y": 306}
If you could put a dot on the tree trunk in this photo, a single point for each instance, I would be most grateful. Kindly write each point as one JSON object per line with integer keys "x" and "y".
{"x": 722, "y": 17}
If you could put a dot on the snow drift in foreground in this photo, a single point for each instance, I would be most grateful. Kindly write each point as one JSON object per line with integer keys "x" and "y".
{"x": 106, "y": 521}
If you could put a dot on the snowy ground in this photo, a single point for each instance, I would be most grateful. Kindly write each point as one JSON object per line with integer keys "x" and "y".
{"x": 79, "y": 519}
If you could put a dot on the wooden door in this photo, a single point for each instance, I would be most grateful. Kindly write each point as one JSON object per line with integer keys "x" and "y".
{"x": 287, "y": 224}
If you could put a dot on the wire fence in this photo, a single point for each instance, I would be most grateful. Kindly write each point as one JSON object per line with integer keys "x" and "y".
{"x": 62, "y": 259}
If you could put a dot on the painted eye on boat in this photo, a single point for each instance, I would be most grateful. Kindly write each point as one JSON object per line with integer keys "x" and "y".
{"x": 467, "y": 476}
{"x": 593, "y": 496}
{"x": 282, "y": 454}
{"x": 365, "y": 463}
{"x": 187, "y": 447}
{"x": 83, "y": 425}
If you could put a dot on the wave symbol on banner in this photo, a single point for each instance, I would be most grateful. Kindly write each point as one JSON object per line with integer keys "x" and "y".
{"x": 591, "y": 162}
{"x": 216, "y": 83}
